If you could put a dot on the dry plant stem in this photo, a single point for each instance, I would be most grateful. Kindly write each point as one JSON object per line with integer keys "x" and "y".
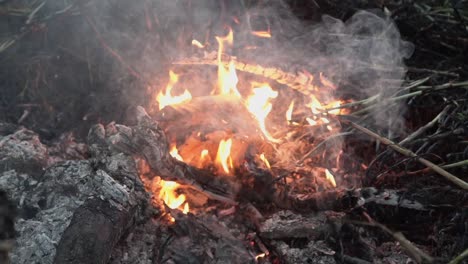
{"x": 456, "y": 164}
{"x": 424, "y": 128}
{"x": 416, "y": 93}
{"x": 417, "y": 254}
{"x": 297, "y": 81}
{"x": 454, "y": 179}
{"x": 460, "y": 257}
{"x": 372, "y": 99}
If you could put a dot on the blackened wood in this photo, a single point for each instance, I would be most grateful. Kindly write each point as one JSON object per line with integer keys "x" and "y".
{"x": 149, "y": 141}
{"x": 94, "y": 230}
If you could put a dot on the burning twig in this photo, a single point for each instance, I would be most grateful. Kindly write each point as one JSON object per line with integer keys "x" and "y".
{"x": 454, "y": 179}
{"x": 299, "y": 82}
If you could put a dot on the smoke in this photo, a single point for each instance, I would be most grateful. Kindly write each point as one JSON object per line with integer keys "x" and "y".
{"x": 364, "y": 55}
{"x": 117, "y": 49}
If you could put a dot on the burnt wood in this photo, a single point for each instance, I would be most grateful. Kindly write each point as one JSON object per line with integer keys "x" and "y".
{"x": 94, "y": 230}
{"x": 149, "y": 141}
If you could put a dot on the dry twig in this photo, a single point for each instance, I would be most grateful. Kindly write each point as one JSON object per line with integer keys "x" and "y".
{"x": 454, "y": 179}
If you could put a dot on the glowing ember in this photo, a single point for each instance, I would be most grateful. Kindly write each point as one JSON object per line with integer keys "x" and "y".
{"x": 165, "y": 99}
{"x": 258, "y": 104}
{"x": 262, "y": 34}
{"x": 289, "y": 112}
{"x": 170, "y": 197}
{"x": 227, "y": 77}
{"x": 197, "y": 44}
{"x": 330, "y": 177}
{"x": 223, "y": 157}
{"x": 264, "y": 159}
{"x": 175, "y": 154}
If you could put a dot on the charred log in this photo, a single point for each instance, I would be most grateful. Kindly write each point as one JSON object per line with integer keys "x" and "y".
{"x": 94, "y": 230}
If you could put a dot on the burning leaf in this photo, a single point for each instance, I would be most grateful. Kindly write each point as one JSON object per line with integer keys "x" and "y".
{"x": 258, "y": 104}
{"x": 165, "y": 99}
{"x": 223, "y": 157}
{"x": 330, "y": 177}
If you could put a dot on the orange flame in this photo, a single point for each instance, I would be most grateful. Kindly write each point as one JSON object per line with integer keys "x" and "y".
{"x": 204, "y": 158}
{"x": 227, "y": 77}
{"x": 315, "y": 105}
{"x": 197, "y": 44}
{"x": 264, "y": 159}
{"x": 169, "y": 195}
{"x": 165, "y": 99}
{"x": 330, "y": 177}
{"x": 223, "y": 157}
{"x": 327, "y": 82}
{"x": 325, "y": 120}
{"x": 261, "y": 255}
{"x": 175, "y": 154}
{"x": 262, "y": 34}
{"x": 311, "y": 121}
{"x": 258, "y": 104}
{"x": 334, "y": 107}
{"x": 289, "y": 112}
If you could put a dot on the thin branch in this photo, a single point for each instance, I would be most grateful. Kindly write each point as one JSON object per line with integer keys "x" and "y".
{"x": 424, "y": 128}
{"x": 454, "y": 179}
{"x": 415, "y": 253}
{"x": 460, "y": 257}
